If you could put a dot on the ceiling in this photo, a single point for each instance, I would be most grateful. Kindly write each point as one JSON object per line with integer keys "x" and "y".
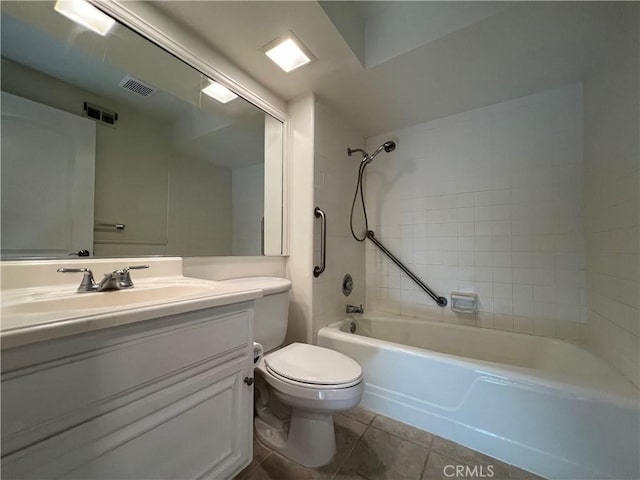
{"x": 386, "y": 65}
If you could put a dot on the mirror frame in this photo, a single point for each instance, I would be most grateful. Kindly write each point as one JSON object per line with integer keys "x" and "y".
{"x": 146, "y": 21}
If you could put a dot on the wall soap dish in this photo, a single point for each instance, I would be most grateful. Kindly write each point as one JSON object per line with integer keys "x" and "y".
{"x": 464, "y": 302}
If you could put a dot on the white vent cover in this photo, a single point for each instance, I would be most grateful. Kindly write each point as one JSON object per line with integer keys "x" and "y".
{"x": 137, "y": 86}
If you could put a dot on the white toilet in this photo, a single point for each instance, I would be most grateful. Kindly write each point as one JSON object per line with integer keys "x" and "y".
{"x": 298, "y": 387}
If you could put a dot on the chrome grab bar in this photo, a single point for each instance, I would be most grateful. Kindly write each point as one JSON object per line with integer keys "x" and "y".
{"x": 317, "y": 271}
{"x": 441, "y": 301}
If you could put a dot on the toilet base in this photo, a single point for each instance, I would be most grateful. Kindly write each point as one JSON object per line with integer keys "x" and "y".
{"x": 309, "y": 439}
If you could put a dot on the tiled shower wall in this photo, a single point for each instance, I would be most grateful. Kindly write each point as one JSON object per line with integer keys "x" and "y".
{"x": 612, "y": 159}
{"x": 487, "y": 201}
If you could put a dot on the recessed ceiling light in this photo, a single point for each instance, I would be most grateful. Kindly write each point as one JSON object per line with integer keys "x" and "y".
{"x": 288, "y": 52}
{"x": 219, "y": 92}
{"x": 85, "y": 14}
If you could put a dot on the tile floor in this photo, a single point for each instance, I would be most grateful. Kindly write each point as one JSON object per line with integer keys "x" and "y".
{"x": 375, "y": 447}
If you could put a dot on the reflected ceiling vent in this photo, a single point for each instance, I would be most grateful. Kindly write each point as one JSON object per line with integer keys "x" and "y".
{"x": 137, "y": 86}
{"x": 100, "y": 114}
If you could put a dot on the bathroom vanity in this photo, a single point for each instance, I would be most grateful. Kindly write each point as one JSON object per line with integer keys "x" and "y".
{"x": 155, "y": 389}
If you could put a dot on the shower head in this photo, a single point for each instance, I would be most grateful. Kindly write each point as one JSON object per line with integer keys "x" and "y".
{"x": 388, "y": 147}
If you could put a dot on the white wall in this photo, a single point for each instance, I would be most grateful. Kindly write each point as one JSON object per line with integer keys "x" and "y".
{"x": 487, "y": 201}
{"x": 199, "y": 215}
{"x": 612, "y": 156}
{"x": 300, "y": 260}
{"x": 335, "y": 177}
{"x": 247, "y": 206}
{"x": 223, "y": 268}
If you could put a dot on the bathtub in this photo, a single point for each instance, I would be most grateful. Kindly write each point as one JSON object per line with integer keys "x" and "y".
{"x": 544, "y": 405}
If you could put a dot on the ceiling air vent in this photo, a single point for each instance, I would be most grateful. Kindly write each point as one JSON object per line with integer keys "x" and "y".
{"x": 137, "y": 86}
{"x": 100, "y": 114}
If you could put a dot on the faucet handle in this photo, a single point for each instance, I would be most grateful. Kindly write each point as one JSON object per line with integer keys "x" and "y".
{"x": 126, "y": 281}
{"x": 134, "y": 267}
{"x": 87, "y": 284}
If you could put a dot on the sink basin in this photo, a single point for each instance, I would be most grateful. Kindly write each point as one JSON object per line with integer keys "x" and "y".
{"x": 113, "y": 299}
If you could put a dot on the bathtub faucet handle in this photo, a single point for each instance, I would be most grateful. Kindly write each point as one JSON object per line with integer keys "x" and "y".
{"x": 354, "y": 309}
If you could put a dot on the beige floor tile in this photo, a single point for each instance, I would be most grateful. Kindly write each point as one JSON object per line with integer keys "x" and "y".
{"x": 274, "y": 467}
{"x": 403, "y": 430}
{"x": 456, "y": 451}
{"x": 348, "y": 476}
{"x": 348, "y": 432}
{"x": 380, "y": 455}
{"x": 440, "y": 467}
{"x": 259, "y": 454}
{"x": 466, "y": 456}
{"x": 361, "y": 414}
{"x": 435, "y": 469}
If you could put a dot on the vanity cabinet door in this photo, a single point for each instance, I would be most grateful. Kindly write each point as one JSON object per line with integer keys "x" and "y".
{"x": 200, "y": 427}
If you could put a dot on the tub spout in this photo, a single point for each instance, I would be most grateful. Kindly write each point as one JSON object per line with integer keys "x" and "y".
{"x": 354, "y": 309}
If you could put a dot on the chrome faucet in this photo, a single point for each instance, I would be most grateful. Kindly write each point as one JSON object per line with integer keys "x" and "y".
{"x": 116, "y": 280}
{"x": 354, "y": 309}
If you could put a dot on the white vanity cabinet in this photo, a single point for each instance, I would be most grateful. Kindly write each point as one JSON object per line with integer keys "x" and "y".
{"x": 169, "y": 398}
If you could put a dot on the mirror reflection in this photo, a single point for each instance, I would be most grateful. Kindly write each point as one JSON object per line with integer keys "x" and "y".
{"x": 113, "y": 146}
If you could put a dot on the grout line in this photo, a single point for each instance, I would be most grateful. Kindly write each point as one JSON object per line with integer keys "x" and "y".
{"x": 359, "y": 420}
{"x": 248, "y": 473}
{"x": 352, "y": 450}
{"x": 406, "y": 439}
{"x": 269, "y": 453}
{"x": 424, "y": 467}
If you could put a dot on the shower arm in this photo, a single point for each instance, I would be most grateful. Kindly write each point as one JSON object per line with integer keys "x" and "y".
{"x": 441, "y": 301}
{"x": 365, "y": 155}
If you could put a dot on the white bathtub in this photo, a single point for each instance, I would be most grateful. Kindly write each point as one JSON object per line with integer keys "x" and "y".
{"x": 544, "y": 405}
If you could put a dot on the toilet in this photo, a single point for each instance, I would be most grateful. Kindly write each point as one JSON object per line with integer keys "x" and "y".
{"x": 299, "y": 387}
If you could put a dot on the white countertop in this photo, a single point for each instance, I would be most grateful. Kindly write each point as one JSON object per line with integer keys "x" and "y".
{"x": 39, "y": 312}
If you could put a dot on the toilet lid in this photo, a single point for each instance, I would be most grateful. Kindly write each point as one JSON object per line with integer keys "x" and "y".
{"x": 315, "y": 365}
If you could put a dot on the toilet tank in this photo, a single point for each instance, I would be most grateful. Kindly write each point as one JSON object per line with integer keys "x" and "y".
{"x": 271, "y": 311}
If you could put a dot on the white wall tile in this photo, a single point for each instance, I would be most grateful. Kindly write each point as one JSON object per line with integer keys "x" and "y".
{"x": 612, "y": 195}
{"x": 492, "y": 205}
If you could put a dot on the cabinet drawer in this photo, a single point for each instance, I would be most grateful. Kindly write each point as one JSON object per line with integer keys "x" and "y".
{"x": 112, "y": 368}
{"x": 199, "y": 427}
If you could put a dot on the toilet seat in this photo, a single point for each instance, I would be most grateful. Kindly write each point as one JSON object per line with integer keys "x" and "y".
{"x": 325, "y": 394}
{"x": 314, "y": 367}
{"x": 316, "y": 386}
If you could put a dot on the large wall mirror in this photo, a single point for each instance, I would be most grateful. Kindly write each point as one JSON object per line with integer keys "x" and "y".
{"x": 111, "y": 145}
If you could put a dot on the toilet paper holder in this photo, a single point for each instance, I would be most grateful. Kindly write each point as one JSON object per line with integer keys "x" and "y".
{"x": 464, "y": 302}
